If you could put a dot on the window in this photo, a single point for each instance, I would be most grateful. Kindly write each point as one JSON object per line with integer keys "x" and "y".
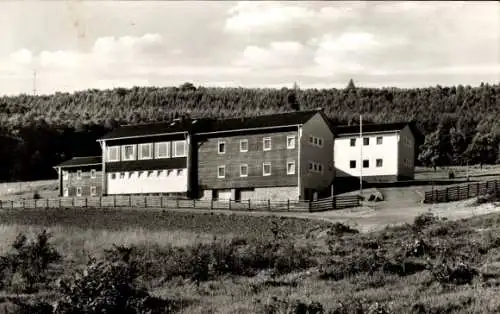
{"x": 65, "y": 175}
{"x": 159, "y": 172}
{"x": 79, "y": 174}
{"x": 320, "y": 168}
{"x": 162, "y": 150}
{"x": 366, "y": 163}
{"x": 113, "y": 153}
{"x": 353, "y": 142}
{"x": 352, "y": 164}
{"x": 310, "y": 166}
{"x": 366, "y": 141}
{"x": 92, "y": 173}
{"x": 222, "y": 147}
{"x": 66, "y": 192}
{"x": 128, "y": 152}
{"x": 93, "y": 191}
{"x": 244, "y": 170}
{"x": 179, "y": 148}
{"x": 221, "y": 171}
{"x": 290, "y": 167}
{"x": 379, "y": 163}
{"x": 315, "y": 166}
{"x": 169, "y": 172}
{"x": 320, "y": 142}
{"x": 290, "y": 142}
{"x": 130, "y": 174}
{"x": 122, "y": 175}
{"x": 311, "y": 139}
{"x": 315, "y": 141}
{"x": 113, "y": 176}
{"x": 180, "y": 172}
{"x": 78, "y": 191}
{"x": 243, "y": 145}
{"x": 379, "y": 140}
{"x": 267, "y": 143}
{"x": 266, "y": 169}
{"x": 145, "y": 151}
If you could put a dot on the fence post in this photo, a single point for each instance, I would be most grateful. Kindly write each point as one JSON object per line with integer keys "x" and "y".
{"x": 114, "y": 201}
{"x": 446, "y": 195}
{"x": 334, "y": 202}
{"x": 130, "y": 201}
{"x": 161, "y": 201}
{"x": 194, "y": 203}
{"x": 288, "y": 205}
{"x": 12, "y": 204}
{"x": 177, "y": 202}
{"x": 47, "y": 203}
{"x": 477, "y": 189}
{"x": 60, "y": 203}
{"x": 269, "y": 205}
{"x": 145, "y": 202}
{"x": 229, "y": 204}
{"x": 211, "y": 203}
{"x": 249, "y": 205}
{"x": 310, "y": 204}
{"x": 100, "y": 201}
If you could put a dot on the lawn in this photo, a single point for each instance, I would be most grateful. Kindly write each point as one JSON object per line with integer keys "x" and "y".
{"x": 210, "y": 263}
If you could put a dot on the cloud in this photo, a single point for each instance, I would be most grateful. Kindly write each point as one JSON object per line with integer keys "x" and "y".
{"x": 275, "y": 55}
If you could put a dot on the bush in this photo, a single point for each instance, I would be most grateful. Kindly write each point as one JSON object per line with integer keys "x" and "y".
{"x": 36, "y": 196}
{"x": 30, "y": 266}
{"x": 424, "y": 220}
{"x": 109, "y": 287}
{"x": 451, "y": 174}
{"x": 456, "y": 273}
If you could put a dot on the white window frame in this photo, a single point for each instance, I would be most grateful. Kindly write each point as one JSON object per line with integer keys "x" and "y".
{"x": 141, "y": 156}
{"x": 363, "y": 164}
{"x": 264, "y": 144}
{"x": 93, "y": 190}
{"x": 117, "y": 151}
{"x": 218, "y": 173}
{"x": 366, "y": 138}
{"x": 290, "y": 137}
{"x": 290, "y": 162}
{"x": 241, "y": 142}
{"x": 93, "y": 173}
{"x": 78, "y": 174}
{"x": 264, "y": 173}
{"x": 124, "y": 147}
{"x": 167, "y": 150}
{"x": 241, "y": 173}
{"x": 223, "y": 143}
{"x": 78, "y": 191}
{"x": 355, "y": 164}
{"x": 381, "y": 163}
{"x": 66, "y": 192}
{"x": 381, "y": 138}
{"x": 174, "y": 144}
{"x": 351, "y": 142}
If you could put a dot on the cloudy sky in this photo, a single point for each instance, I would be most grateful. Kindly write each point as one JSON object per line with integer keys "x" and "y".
{"x": 75, "y": 45}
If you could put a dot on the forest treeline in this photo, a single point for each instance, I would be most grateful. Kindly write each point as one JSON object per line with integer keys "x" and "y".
{"x": 461, "y": 124}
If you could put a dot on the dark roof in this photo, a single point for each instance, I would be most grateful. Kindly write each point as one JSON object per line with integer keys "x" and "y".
{"x": 377, "y": 127}
{"x": 206, "y": 125}
{"x": 257, "y": 122}
{"x": 135, "y": 130}
{"x": 80, "y": 161}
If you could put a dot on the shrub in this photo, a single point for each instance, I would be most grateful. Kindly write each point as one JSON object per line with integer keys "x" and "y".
{"x": 451, "y": 174}
{"x": 456, "y": 273}
{"x": 424, "y": 220}
{"x": 30, "y": 266}
{"x": 109, "y": 287}
{"x": 36, "y": 196}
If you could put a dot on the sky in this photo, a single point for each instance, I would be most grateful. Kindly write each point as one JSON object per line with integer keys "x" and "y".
{"x": 76, "y": 45}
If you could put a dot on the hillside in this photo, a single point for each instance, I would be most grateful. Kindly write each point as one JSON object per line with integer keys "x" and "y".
{"x": 461, "y": 123}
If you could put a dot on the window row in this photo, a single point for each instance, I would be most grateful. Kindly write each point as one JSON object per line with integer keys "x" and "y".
{"x": 316, "y": 141}
{"x": 93, "y": 191}
{"x": 266, "y": 169}
{"x": 266, "y": 144}
{"x": 366, "y": 163}
{"x": 315, "y": 167}
{"x": 366, "y": 141}
{"x": 147, "y": 151}
{"x": 79, "y": 173}
{"x": 147, "y": 174}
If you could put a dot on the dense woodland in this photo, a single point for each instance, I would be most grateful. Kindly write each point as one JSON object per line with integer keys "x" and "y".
{"x": 461, "y": 123}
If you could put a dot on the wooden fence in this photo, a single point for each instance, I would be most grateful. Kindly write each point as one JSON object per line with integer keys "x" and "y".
{"x": 337, "y": 202}
{"x": 462, "y": 192}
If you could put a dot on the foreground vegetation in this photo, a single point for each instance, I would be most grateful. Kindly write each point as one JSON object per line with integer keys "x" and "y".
{"x": 276, "y": 265}
{"x": 461, "y": 122}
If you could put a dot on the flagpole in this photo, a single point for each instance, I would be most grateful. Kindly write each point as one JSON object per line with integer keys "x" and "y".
{"x": 360, "y": 154}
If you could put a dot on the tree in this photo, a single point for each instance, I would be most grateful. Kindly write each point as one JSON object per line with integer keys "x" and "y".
{"x": 483, "y": 149}
{"x": 350, "y": 85}
{"x": 458, "y": 146}
{"x": 431, "y": 154}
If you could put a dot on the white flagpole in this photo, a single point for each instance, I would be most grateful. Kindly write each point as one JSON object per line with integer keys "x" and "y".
{"x": 360, "y": 154}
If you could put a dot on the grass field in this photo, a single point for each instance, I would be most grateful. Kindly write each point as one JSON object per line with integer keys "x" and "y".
{"x": 426, "y": 266}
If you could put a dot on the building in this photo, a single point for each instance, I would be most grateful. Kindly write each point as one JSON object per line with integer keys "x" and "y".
{"x": 80, "y": 176}
{"x": 285, "y": 156}
{"x": 385, "y": 153}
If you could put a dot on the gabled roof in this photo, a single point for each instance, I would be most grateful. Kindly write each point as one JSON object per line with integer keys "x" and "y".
{"x": 80, "y": 161}
{"x": 207, "y": 125}
{"x": 379, "y": 127}
{"x": 258, "y": 122}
